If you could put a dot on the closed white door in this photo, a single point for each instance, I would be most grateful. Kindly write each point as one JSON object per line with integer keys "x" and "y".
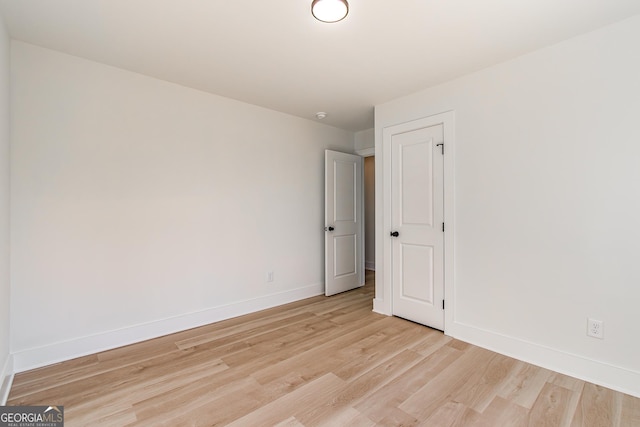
{"x": 417, "y": 222}
{"x": 344, "y": 256}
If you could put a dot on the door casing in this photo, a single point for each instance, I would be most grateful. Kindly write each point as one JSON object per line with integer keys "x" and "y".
{"x": 383, "y": 299}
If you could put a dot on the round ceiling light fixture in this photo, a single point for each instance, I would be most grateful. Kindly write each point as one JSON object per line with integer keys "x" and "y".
{"x": 329, "y": 10}
{"x": 321, "y": 115}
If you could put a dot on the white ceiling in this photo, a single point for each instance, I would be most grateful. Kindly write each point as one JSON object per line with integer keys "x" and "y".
{"x": 273, "y": 53}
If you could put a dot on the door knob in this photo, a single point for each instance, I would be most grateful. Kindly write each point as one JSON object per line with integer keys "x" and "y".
{"x": 394, "y": 234}
{"x": 330, "y": 228}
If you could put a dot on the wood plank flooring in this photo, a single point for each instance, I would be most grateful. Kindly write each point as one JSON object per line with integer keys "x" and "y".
{"x": 317, "y": 362}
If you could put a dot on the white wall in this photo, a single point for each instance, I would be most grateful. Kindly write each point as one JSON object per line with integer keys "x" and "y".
{"x": 5, "y": 359}
{"x": 142, "y": 207}
{"x": 547, "y": 201}
{"x": 364, "y": 142}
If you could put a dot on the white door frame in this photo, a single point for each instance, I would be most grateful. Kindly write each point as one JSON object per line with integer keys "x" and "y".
{"x": 382, "y": 302}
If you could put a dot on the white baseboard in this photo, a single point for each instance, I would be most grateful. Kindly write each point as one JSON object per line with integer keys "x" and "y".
{"x": 6, "y": 380}
{"x": 606, "y": 375}
{"x": 58, "y": 352}
{"x": 379, "y": 307}
{"x": 370, "y": 265}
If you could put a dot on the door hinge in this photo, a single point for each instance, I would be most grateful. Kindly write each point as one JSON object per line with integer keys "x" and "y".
{"x": 443, "y": 227}
{"x": 441, "y": 145}
{"x": 443, "y": 304}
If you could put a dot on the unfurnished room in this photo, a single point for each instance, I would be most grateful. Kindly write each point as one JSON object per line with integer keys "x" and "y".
{"x": 320, "y": 213}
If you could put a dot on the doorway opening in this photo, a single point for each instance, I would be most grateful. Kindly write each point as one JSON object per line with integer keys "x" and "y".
{"x": 369, "y": 216}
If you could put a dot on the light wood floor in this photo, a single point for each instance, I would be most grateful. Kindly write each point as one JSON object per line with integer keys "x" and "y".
{"x": 317, "y": 362}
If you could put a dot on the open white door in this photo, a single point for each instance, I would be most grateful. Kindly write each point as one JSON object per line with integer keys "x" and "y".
{"x": 417, "y": 222}
{"x": 344, "y": 256}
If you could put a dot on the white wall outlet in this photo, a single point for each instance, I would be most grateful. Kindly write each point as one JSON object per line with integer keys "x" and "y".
{"x": 595, "y": 328}
{"x": 270, "y": 276}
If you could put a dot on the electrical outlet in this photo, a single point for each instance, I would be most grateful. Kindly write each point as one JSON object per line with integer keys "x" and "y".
{"x": 595, "y": 328}
{"x": 270, "y": 276}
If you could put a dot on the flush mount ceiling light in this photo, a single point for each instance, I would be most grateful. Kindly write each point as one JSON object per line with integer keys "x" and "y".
{"x": 329, "y": 10}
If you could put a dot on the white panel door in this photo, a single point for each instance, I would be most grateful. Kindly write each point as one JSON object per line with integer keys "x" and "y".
{"x": 417, "y": 223}
{"x": 344, "y": 257}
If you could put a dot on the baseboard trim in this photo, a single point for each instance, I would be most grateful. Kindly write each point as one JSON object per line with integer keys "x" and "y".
{"x": 370, "y": 265}
{"x": 379, "y": 307}
{"x": 25, "y": 360}
{"x": 614, "y": 377}
{"x": 6, "y": 380}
